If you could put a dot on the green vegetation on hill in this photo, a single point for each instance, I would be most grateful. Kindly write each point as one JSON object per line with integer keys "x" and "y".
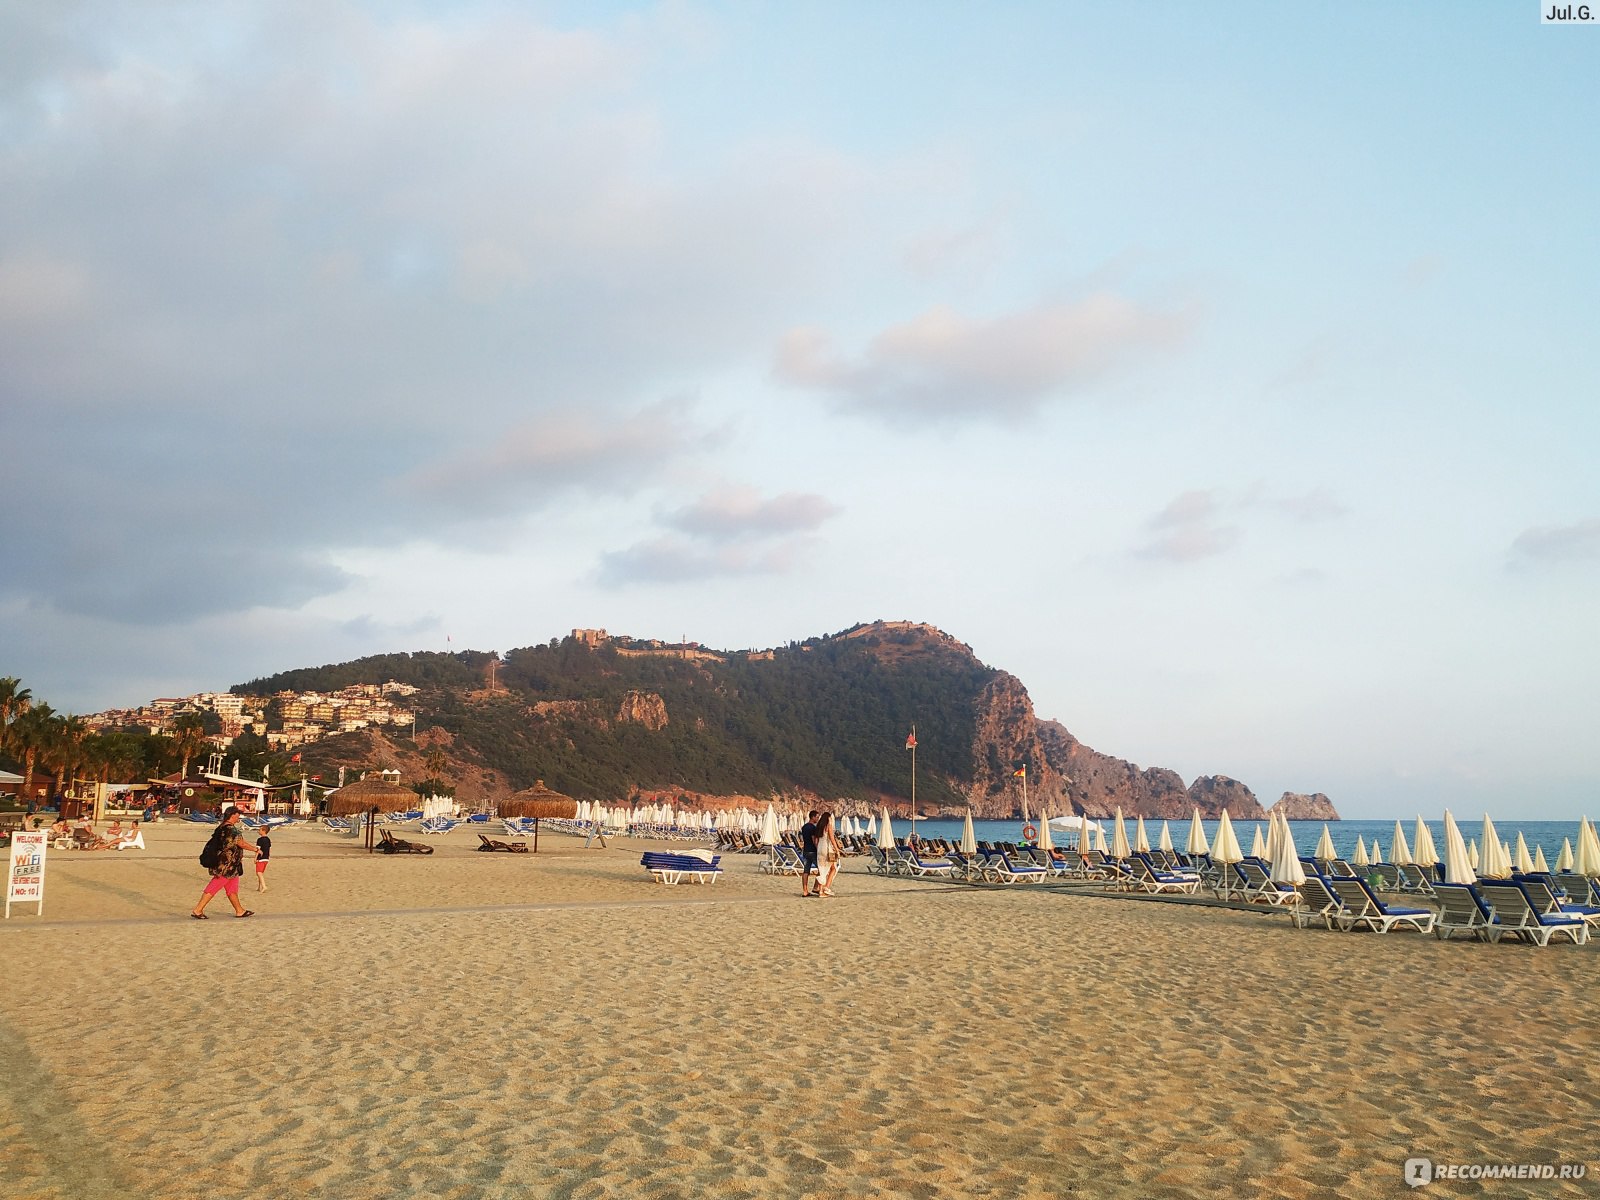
{"x": 830, "y": 715}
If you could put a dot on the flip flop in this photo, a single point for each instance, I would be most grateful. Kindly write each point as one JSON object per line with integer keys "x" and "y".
{"x": 249, "y": 912}
{"x": 200, "y": 916}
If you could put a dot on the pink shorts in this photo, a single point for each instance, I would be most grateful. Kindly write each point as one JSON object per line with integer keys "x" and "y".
{"x": 223, "y": 883}
{"x": 261, "y": 865}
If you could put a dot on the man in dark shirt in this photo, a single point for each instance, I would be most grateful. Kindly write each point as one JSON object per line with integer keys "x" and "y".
{"x": 808, "y": 853}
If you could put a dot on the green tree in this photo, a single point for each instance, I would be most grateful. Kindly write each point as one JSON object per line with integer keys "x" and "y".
{"x": 31, "y": 737}
{"x": 14, "y": 701}
{"x": 188, "y": 739}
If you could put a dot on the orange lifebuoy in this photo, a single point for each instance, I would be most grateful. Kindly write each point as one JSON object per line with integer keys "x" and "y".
{"x": 1029, "y": 833}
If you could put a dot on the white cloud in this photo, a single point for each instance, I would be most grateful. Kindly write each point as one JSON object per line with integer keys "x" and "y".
{"x": 943, "y": 364}
{"x": 1550, "y": 544}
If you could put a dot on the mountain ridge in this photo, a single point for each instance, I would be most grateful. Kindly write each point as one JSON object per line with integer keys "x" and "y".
{"x": 609, "y": 717}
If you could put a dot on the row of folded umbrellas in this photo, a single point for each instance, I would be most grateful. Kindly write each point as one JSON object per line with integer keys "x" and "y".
{"x": 1464, "y": 861}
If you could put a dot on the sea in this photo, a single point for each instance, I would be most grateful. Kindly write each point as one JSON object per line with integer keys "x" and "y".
{"x": 1306, "y": 833}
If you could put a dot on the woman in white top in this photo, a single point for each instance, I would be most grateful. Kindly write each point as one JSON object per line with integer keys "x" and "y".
{"x": 828, "y": 854}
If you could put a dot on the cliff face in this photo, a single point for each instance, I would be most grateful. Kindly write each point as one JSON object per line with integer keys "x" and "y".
{"x": 1298, "y": 807}
{"x": 1066, "y": 777}
{"x": 645, "y": 708}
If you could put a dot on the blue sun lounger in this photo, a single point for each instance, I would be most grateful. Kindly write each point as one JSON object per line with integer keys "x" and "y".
{"x": 675, "y": 868}
{"x": 1516, "y": 914}
{"x": 1364, "y": 908}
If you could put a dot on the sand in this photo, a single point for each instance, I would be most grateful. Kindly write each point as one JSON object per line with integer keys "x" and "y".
{"x": 473, "y": 1025}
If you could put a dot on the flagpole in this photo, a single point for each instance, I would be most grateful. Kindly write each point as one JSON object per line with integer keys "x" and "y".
{"x": 913, "y": 786}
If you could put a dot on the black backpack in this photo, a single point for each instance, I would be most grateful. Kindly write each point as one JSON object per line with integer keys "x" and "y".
{"x": 211, "y": 856}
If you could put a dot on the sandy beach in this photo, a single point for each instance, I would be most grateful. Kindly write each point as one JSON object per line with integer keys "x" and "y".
{"x": 469, "y": 1025}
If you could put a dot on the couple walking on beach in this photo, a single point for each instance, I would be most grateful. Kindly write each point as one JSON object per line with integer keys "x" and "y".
{"x": 820, "y": 850}
{"x": 224, "y": 858}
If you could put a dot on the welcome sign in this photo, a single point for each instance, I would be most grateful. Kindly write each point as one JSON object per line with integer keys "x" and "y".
{"x": 25, "y": 878}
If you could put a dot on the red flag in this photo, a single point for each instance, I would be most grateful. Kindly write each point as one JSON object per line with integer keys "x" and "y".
{"x": 911, "y": 739}
{"x": 294, "y": 758}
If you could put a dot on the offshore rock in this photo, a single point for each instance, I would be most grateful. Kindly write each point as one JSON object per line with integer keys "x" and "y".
{"x": 1299, "y": 807}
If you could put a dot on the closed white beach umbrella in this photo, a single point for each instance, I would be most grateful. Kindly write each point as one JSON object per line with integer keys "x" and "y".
{"x": 1286, "y": 866}
{"x": 1457, "y": 862}
{"x": 1399, "y": 852}
{"x": 872, "y": 826}
{"x": 1258, "y": 844}
{"x": 1225, "y": 850}
{"x": 1521, "y": 857}
{"x": 1564, "y": 859}
{"x": 1197, "y": 843}
{"x": 1325, "y": 845}
{"x": 1472, "y": 853}
{"x": 1119, "y": 838}
{"x": 1496, "y": 864}
{"x": 1085, "y": 839}
{"x": 1166, "y": 838}
{"x": 1045, "y": 843}
{"x": 1141, "y": 839}
{"x": 1275, "y": 827}
{"x": 1100, "y": 838}
{"x": 1377, "y": 850}
{"x": 1423, "y": 852}
{"x": 769, "y": 826}
{"x": 1587, "y": 859}
{"x": 1539, "y": 862}
{"x": 885, "y": 832}
{"x": 1361, "y": 859}
{"x": 969, "y": 839}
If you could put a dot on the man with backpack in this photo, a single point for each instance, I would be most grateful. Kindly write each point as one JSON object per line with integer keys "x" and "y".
{"x": 224, "y": 858}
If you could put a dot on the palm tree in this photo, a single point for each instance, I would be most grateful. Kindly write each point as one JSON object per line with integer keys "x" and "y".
{"x": 64, "y": 747}
{"x": 14, "y": 700}
{"x": 31, "y": 733}
{"x": 188, "y": 739}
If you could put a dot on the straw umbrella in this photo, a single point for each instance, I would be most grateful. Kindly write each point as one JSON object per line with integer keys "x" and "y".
{"x": 538, "y": 801}
{"x": 1399, "y": 852}
{"x": 1325, "y": 846}
{"x": 1225, "y": 850}
{"x": 364, "y": 795}
{"x": 1457, "y": 862}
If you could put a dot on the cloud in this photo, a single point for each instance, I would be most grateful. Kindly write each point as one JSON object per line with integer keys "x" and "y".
{"x": 680, "y": 560}
{"x": 729, "y": 531}
{"x": 735, "y": 512}
{"x": 369, "y": 282}
{"x": 1307, "y": 508}
{"x": 577, "y": 449}
{"x": 942, "y": 364}
{"x": 1544, "y": 545}
{"x": 1188, "y": 529}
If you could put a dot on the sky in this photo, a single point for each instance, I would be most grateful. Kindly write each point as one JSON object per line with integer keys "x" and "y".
{"x": 1228, "y": 373}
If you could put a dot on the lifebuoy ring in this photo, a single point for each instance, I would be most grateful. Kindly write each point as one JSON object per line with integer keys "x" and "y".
{"x": 1029, "y": 833}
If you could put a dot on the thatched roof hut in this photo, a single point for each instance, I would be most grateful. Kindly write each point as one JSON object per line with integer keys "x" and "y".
{"x": 367, "y": 794}
{"x": 538, "y": 801}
